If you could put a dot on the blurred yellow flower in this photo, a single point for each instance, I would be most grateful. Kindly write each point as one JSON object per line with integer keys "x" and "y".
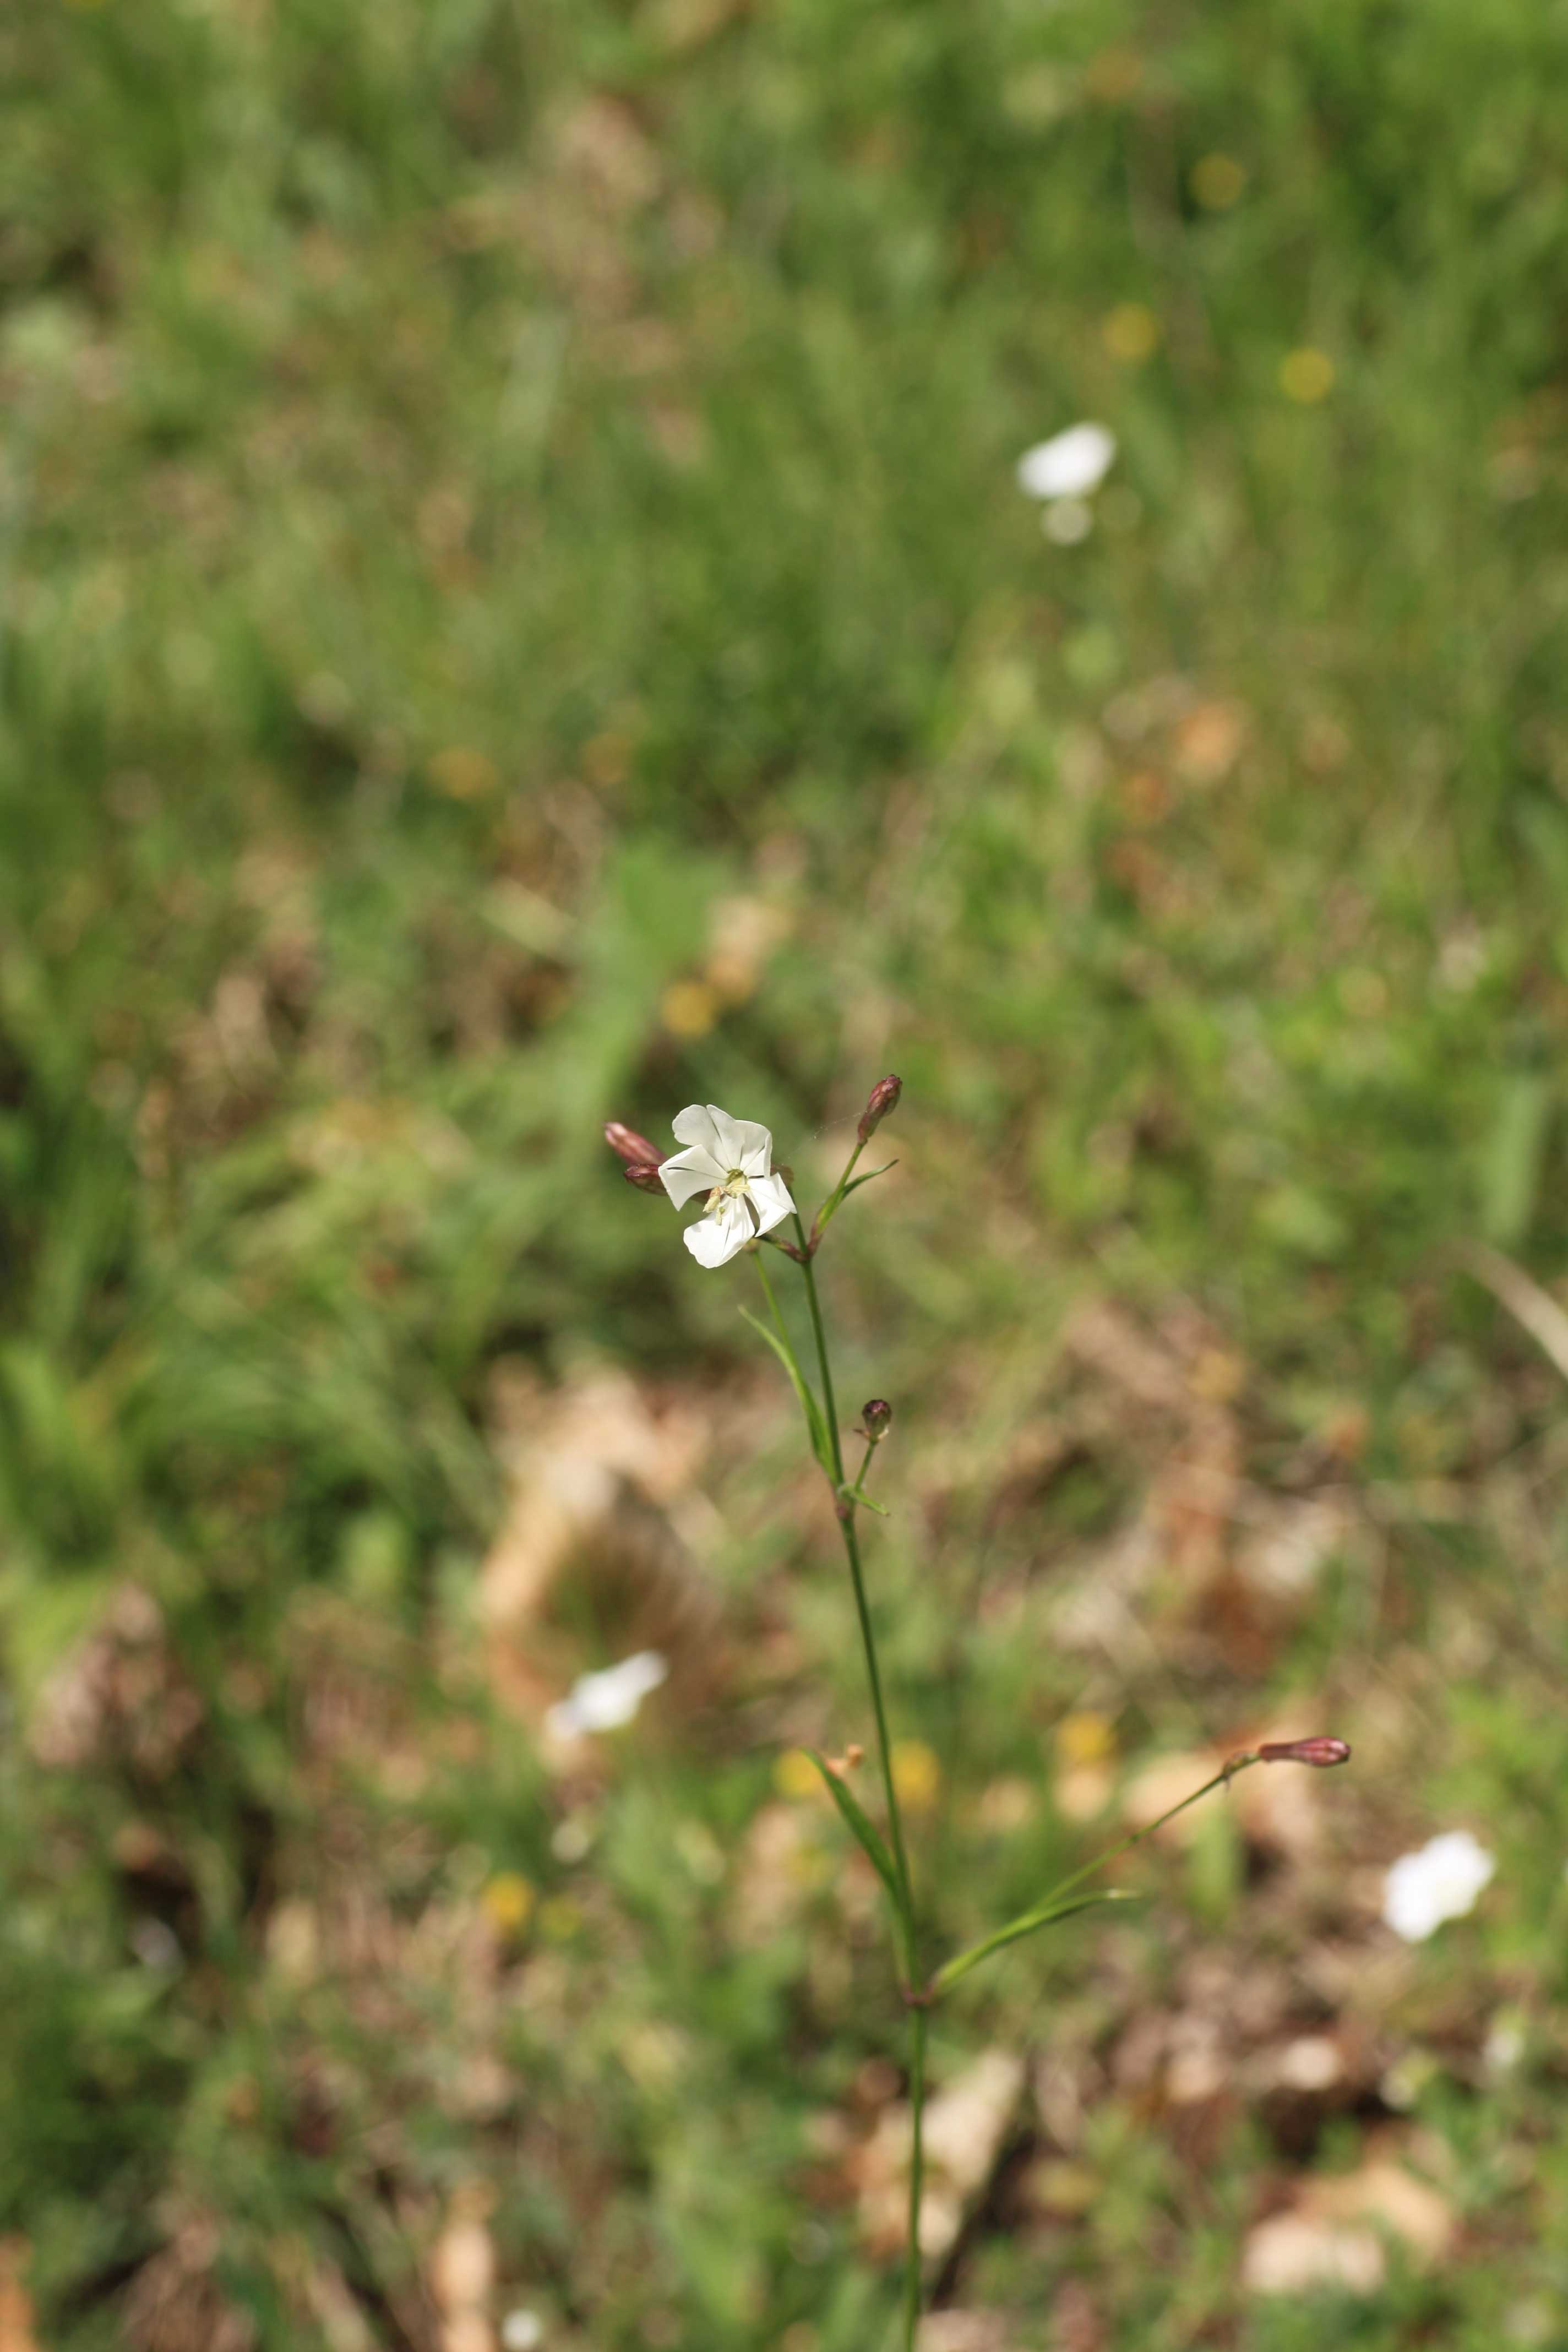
{"x": 916, "y": 1775}
{"x": 1085, "y": 1743}
{"x": 506, "y": 1902}
{"x": 1307, "y": 375}
{"x": 463, "y": 773}
{"x": 1217, "y": 181}
{"x": 1131, "y": 332}
{"x": 1085, "y": 1737}
{"x": 688, "y": 1008}
{"x": 794, "y": 1775}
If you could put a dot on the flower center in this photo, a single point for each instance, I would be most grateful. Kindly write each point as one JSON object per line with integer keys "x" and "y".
{"x": 733, "y": 1188}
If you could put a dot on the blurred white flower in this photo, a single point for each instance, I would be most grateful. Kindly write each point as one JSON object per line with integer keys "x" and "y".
{"x": 1439, "y": 1882}
{"x": 1066, "y": 522}
{"x": 604, "y": 1701}
{"x": 1070, "y": 465}
{"x": 522, "y": 2330}
{"x": 730, "y": 1160}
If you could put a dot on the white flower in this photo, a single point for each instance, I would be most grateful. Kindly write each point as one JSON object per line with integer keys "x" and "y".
{"x": 1440, "y": 1881}
{"x": 1070, "y": 465}
{"x": 730, "y": 1160}
{"x": 604, "y": 1701}
{"x": 522, "y": 2330}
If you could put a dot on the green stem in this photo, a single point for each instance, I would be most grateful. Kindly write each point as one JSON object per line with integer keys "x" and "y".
{"x": 917, "y": 2168}
{"x": 862, "y": 1607}
{"x": 817, "y": 1333}
{"x": 884, "y": 1745}
{"x": 904, "y": 1921}
{"x": 820, "y": 1222}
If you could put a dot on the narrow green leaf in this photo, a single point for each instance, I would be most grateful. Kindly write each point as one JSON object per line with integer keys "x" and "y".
{"x": 816, "y": 1427}
{"x": 1043, "y": 1915}
{"x": 835, "y": 1199}
{"x": 863, "y": 1828}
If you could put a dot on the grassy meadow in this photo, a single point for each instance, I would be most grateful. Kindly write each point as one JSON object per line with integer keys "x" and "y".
{"x": 516, "y": 610}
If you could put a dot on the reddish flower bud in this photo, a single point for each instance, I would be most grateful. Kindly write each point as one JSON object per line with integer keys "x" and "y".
{"x": 634, "y": 1149}
{"x": 1321, "y": 1751}
{"x": 883, "y": 1098}
{"x": 876, "y": 1419}
{"x": 644, "y": 1175}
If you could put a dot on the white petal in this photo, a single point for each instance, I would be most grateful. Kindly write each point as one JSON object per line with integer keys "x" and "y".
{"x": 753, "y": 1146}
{"x": 769, "y": 1197}
{"x": 742, "y": 1143}
{"x": 715, "y": 1240}
{"x": 695, "y": 1125}
{"x": 1069, "y": 466}
{"x": 686, "y": 1172}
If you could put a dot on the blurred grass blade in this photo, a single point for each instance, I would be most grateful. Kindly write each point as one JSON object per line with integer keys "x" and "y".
{"x": 815, "y": 1426}
{"x": 1514, "y": 1159}
{"x": 861, "y": 1825}
{"x": 1043, "y": 1915}
{"x": 1531, "y": 1306}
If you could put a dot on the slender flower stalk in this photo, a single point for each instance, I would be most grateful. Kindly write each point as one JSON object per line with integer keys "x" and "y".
{"x": 728, "y": 1161}
{"x": 845, "y": 1509}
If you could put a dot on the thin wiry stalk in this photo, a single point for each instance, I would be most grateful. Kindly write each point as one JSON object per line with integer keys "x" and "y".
{"x": 845, "y": 1509}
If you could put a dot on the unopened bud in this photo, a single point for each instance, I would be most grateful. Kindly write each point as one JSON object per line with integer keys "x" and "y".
{"x": 876, "y": 1419}
{"x": 644, "y": 1175}
{"x": 1321, "y": 1751}
{"x": 883, "y": 1098}
{"x": 634, "y": 1149}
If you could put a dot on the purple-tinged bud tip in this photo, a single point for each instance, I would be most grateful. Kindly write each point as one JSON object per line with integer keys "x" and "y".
{"x": 1322, "y": 1752}
{"x": 634, "y": 1149}
{"x": 883, "y": 1098}
{"x": 644, "y": 1175}
{"x": 876, "y": 1419}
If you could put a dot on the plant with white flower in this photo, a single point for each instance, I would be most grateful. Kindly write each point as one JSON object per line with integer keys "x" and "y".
{"x": 729, "y": 1163}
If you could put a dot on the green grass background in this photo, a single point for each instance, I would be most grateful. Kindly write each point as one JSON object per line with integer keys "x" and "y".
{"x": 487, "y": 483}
